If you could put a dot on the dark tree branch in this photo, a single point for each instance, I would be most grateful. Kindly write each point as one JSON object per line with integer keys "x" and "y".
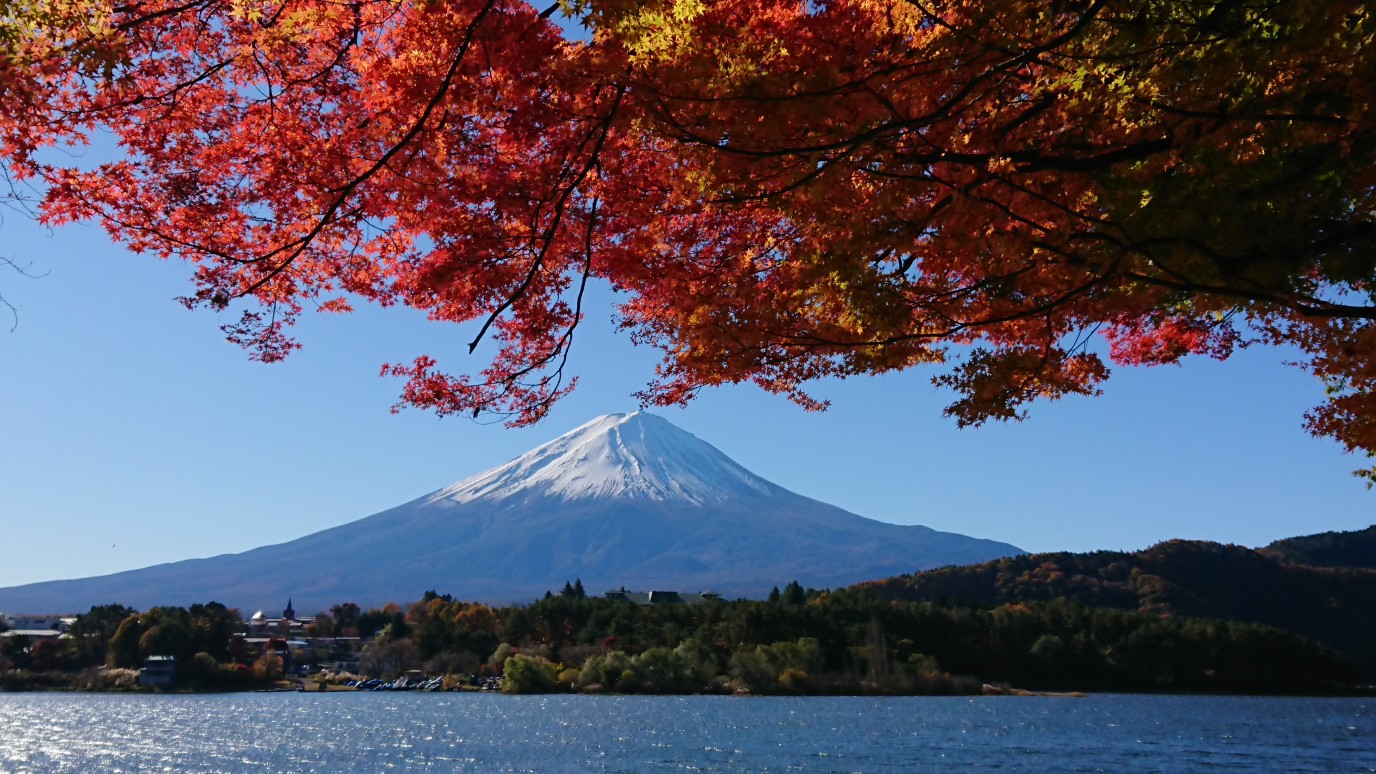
{"x": 556, "y": 218}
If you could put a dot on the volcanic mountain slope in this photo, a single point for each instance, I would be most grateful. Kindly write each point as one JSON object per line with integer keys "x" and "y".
{"x": 625, "y": 500}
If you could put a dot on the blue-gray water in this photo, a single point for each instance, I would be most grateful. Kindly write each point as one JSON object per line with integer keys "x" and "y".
{"x": 457, "y": 732}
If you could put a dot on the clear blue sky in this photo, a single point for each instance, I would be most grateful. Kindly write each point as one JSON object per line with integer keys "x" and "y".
{"x": 133, "y": 435}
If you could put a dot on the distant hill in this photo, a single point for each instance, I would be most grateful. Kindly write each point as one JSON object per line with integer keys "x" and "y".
{"x": 1328, "y": 549}
{"x": 625, "y": 500}
{"x": 1178, "y": 578}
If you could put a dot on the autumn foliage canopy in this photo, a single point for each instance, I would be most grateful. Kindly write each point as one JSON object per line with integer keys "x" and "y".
{"x": 780, "y": 191}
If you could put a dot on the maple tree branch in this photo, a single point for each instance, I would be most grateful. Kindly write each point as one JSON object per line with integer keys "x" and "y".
{"x": 556, "y": 218}
{"x": 1243, "y": 288}
{"x": 1085, "y": 19}
{"x": 300, "y": 245}
{"x": 1223, "y": 114}
{"x": 1026, "y": 162}
{"x": 1038, "y": 310}
{"x": 22, "y": 271}
{"x": 338, "y": 58}
{"x": 134, "y": 22}
{"x": 1306, "y": 306}
{"x": 170, "y": 93}
{"x": 142, "y": 227}
{"x": 564, "y": 346}
{"x": 662, "y": 93}
{"x": 942, "y": 110}
{"x": 1033, "y": 161}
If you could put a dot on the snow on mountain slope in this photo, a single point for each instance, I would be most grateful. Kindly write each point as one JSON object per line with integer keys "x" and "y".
{"x": 634, "y": 455}
{"x": 625, "y": 500}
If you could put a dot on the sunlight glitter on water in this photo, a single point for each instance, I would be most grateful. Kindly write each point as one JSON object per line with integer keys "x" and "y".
{"x": 409, "y": 732}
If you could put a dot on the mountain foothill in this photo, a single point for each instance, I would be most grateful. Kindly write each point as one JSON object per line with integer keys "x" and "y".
{"x": 1330, "y": 600}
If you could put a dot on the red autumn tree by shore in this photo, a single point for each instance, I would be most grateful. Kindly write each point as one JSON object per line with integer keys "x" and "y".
{"x": 782, "y": 191}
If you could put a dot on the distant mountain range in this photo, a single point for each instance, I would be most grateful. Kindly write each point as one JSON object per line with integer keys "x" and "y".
{"x": 1335, "y": 605}
{"x": 625, "y": 500}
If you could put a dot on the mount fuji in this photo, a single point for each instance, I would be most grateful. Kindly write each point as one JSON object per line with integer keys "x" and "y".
{"x": 625, "y": 500}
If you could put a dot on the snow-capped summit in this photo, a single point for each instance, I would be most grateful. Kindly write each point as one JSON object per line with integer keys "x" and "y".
{"x": 635, "y": 455}
{"x": 625, "y": 500}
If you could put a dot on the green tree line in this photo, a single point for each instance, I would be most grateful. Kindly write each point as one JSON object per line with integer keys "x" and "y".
{"x": 798, "y": 641}
{"x": 108, "y": 643}
{"x": 1177, "y": 578}
{"x": 849, "y": 641}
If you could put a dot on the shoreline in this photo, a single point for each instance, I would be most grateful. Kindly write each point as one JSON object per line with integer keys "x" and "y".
{"x": 987, "y": 690}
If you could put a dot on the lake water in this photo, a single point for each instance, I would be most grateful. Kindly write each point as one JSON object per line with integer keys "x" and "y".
{"x": 483, "y": 732}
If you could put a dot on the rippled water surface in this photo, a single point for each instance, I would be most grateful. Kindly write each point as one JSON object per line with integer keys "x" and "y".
{"x": 482, "y": 732}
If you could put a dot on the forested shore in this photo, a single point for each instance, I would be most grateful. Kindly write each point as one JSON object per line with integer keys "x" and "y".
{"x": 799, "y": 641}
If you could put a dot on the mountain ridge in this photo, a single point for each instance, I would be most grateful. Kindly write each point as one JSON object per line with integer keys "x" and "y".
{"x": 1353, "y": 549}
{"x": 607, "y": 446}
{"x": 626, "y": 499}
{"x": 1186, "y": 578}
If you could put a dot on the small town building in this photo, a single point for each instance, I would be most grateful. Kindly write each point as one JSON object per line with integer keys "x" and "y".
{"x": 288, "y": 624}
{"x": 648, "y": 598}
{"x": 33, "y": 635}
{"x": 159, "y": 671}
{"x": 57, "y": 623}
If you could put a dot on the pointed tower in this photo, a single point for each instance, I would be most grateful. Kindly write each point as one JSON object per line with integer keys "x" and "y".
{"x": 288, "y": 614}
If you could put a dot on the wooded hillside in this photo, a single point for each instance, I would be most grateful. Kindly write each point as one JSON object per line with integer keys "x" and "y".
{"x": 1178, "y": 578}
{"x": 1328, "y": 549}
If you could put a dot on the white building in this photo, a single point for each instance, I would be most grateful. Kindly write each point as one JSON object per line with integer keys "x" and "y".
{"x": 58, "y": 623}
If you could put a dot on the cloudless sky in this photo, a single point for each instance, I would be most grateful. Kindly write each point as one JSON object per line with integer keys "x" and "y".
{"x": 133, "y": 435}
